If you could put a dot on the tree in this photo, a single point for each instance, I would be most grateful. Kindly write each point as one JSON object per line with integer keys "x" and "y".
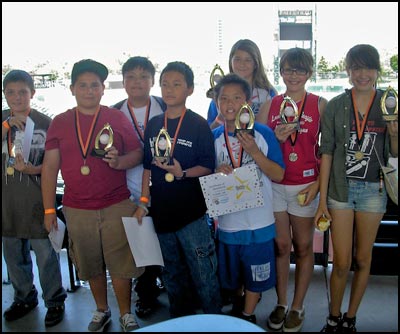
{"x": 393, "y": 63}
{"x": 322, "y": 67}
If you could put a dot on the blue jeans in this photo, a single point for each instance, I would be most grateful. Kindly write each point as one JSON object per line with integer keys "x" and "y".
{"x": 17, "y": 255}
{"x": 190, "y": 261}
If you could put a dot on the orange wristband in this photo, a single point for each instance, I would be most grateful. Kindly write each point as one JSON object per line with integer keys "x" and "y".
{"x": 144, "y": 200}
{"x": 6, "y": 125}
{"x": 49, "y": 211}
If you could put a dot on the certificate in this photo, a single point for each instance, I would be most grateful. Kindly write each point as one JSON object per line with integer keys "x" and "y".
{"x": 237, "y": 191}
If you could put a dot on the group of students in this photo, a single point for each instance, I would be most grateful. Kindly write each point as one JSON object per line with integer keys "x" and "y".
{"x": 251, "y": 253}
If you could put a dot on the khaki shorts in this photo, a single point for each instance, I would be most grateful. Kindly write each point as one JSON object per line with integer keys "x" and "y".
{"x": 97, "y": 241}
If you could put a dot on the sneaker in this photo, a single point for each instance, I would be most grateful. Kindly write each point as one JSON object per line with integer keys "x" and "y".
{"x": 250, "y": 318}
{"x": 294, "y": 321}
{"x": 99, "y": 321}
{"x": 277, "y": 317}
{"x": 128, "y": 322}
{"x": 54, "y": 315}
{"x": 333, "y": 324}
{"x": 144, "y": 309}
{"x": 18, "y": 310}
{"x": 348, "y": 324}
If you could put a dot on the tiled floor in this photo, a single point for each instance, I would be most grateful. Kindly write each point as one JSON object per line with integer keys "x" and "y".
{"x": 378, "y": 311}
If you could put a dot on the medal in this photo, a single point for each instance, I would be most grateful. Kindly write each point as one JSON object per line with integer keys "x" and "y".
{"x": 10, "y": 170}
{"x": 85, "y": 170}
{"x": 359, "y": 155}
{"x": 293, "y": 157}
{"x": 169, "y": 177}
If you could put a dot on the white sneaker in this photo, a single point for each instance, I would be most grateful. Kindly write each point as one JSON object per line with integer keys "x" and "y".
{"x": 99, "y": 321}
{"x": 128, "y": 322}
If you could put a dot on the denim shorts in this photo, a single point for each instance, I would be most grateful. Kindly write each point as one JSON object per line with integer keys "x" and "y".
{"x": 363, "y": 196}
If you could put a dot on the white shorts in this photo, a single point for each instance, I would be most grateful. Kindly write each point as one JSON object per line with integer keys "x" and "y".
{"x": 285, "y": 199}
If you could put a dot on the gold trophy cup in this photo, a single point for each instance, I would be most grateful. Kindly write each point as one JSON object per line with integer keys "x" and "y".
{"x": 389, "y": 105}
{"x": 244, "y": 121}
{"x": 216, "y": 77}
{"x": 162, "y": 149}
{"x": 288, "y": 109}
{"x": 104, "y": 140}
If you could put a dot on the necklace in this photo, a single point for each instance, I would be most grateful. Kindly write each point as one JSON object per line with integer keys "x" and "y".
{"x": 85, "y": 170}
{"x": 169, "y": 177}
{"x": 360, "y": 125}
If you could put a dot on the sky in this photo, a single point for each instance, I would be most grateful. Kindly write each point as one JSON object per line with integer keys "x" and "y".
{"x": 65, "y": 32}
{"x": 198, "y": 33}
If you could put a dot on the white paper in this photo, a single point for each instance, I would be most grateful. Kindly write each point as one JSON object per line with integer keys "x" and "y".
{"x": 237, "y": 191}
{"x": 143, "y": 241}
{"x": 57, "y": 236}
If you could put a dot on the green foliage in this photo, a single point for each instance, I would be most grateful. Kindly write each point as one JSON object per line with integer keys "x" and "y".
{"x": 393, "y": 63}
{"x": 323, "y": 66}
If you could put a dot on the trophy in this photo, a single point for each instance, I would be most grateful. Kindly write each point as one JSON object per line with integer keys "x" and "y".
{"x": 389, "y": 101}
{"x": 163, "y": 147}
{"x": 105, "y": 137}
{"x": 289, "y": 110}
{"x": 245, "y": 119}
{"x": 17, "y": 147}
{"x": 214, "y": 79}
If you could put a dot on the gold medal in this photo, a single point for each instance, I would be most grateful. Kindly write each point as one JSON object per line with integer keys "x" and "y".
{"x": 10, "y": 170}
{"x": 85, "y": 170}
{"x": 293, "y": 157}
{"x": 169, "y": 177}
{"x": 359, "y": 155}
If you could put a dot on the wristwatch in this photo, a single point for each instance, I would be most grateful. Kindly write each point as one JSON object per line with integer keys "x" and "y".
{"x": 182, "y": 177}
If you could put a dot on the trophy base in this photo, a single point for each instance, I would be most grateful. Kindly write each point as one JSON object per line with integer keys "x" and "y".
{"x": 293, "y": 125}
{"x": 390, "y": 118}
{"x": 249, "y": 131}
{"x": 98, "y": 153}
{"x": 163, "y": 160}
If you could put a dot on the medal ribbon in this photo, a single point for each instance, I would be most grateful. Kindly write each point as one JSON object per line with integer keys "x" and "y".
{"x": 176, "y": 131}
{"x": 84, "y": 147}
{"x": 293, "y": 136}
{"x": 135, "y": 122}
{"x": 361, "y": 127}
{"x": 229, "y": 149}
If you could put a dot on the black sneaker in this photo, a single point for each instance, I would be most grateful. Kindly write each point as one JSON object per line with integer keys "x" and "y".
{"x": 237, "y": 306}
{"x": 348, "y": 324}
{"x": 18, "y": 310}
{"x": 54, "y": 315}
{"x": 144, "y": 309}
{"x": 250, "y": 318}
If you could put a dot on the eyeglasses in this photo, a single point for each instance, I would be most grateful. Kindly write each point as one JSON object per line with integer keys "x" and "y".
{"x": 291, "y": 71}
